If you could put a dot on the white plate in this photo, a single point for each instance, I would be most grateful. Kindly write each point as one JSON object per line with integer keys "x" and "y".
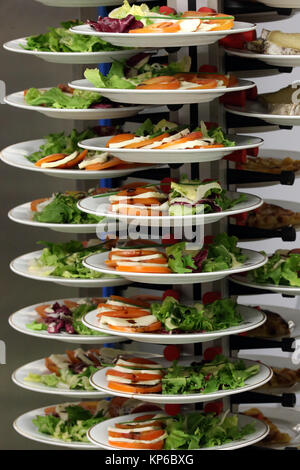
{"x": 284, "y": 418}
{"x": 21, "y": 264}
{"x": 83, "y": 3}
{"x": 97, "y": 263}
{"x": 278, "y": 359}
{"x": 158, "y": 97}
{"x": 280, "y": 4}
{"x": 17, "y": 100}
{"x": 100, "y": 206}
{"x": 100, "y": 57}
{"x": 280, "y": 289}
{"x": 273, "y": 153}
{"x": 278, "y": 60}
{"x": 164, "y": 40}
{"x": 22, "y": 317}
{"x": 22, "y": 214}
{"x": 252, "y": 318}
{"x": 24, "y": 426}
{"x": 38, "y": 367}
{"x": 99, "y": 381}
{"x": 15, "y": 155}
{"x": 255, "y": 109}
{"x": 173, "y": 156}
{"x": 98, "y": 434}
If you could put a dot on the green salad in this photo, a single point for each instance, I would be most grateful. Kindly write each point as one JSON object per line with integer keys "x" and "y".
{"x": 56, "y": 98}
{"x": 207, "y": 377}
{"x": 62, "y": 208}
{"x": 60, "y": 143}
{"x": 196, "y": 430}
{"x": 62, "y": 40}
{"x": 217, "y": 315}
{"x": 283, "y": 267}
{"x": 128, "y": 74}
{"x": 219, "y": 255}
{"x": 70, "y": 422}
{"x": 67, "y": 379}
{"x": 65, "y": 260}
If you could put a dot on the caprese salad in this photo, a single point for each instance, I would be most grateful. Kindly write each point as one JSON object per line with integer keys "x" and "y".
{"x": 168, "y": 316}
{"x": 144, "y": 376}
{"x": 62, "y": 152}
{"x": 173, "y": 198}
{"x": 141, "y": 19}
{"x": 218, "y": 254}
{"x": 157, "y": 431}
{"x": 167, "y": 135}
{"x": 141, "y": 74}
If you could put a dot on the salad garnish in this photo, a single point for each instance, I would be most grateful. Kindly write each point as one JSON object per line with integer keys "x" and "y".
{"x": 61, "y": 208}
{"x": 64, "y": 97}
{"x": 65, "y": 259}
{"x": 62, "y": 40}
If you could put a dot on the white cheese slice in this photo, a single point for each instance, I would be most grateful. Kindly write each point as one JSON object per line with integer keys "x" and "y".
{"x": 134, "y": 364}
{"x": 166, "y": 140}
{"x": 189, "y": 26}
{"x": 136, "y": 258}
{"x": 67, "y": 159}
{"x": 128, "y": 370}
{"x": 60, "y": 360}
{"x": 92, "y": 159}
{"x": 128, "y": 263}
{"x": 122, "y": 380}
{"x": 128, "y": 431}
{"x": 134, "y": 140}
{"x": 151, "y": 194}
{"x": 122, "y": 439}
{"x": 127, "y": 322}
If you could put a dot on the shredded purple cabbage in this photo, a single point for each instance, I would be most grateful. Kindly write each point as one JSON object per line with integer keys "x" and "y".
{"x": 199, "y": 259}
{"x": 114, "y": 25}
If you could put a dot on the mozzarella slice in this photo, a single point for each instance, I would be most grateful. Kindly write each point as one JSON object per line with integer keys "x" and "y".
{"x": 128, "y": 370}
{"x": 92, "y": 159}
{"x": 125, "y": 362}
{"x": 119, "y": 145}
{"x": 189, "y": 26}
{"x": 127, "y": 263}
{"x": 63, "y": 161}
{"x": 147, "y": 320}
{"x": 122, "y": 439}
{"x": 128, "y": 431}
{"x": 136, "y": 258}
{"x": 122, "y": 380}
{"x": 150, "y": 194}
{"x": 179, "y": 135}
